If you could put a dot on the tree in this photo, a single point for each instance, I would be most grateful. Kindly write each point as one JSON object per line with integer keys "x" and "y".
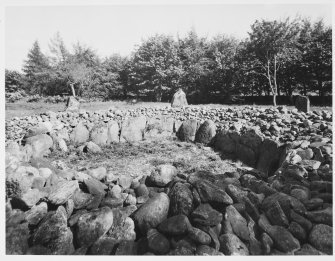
{"x": 59, "y": 52}
{"x": 222, "y": 77}
{"x": 35, "y": 68}
{"x": 13, "y": 81}
{"x": 271, "y": 43}
{"x": 195, "y": 64}
{"x": 156, "y": 67}
{"x": 317, "y": 55}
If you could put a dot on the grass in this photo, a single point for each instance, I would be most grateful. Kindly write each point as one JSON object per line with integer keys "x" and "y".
{"x": 140, "y": 159}
{"x": 23, "y": 108}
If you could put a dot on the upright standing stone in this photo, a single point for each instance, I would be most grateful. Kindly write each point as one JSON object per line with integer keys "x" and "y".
{"x": 302, "y": 103}
{"x": 179, "y": 99}
{"x": 72, "y": 104}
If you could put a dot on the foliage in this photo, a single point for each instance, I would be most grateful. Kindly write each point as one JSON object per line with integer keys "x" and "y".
{"x": 13, "y": 81}
{"x": 14, "y": 96}
{"x": 278, "y": 57}
{"x": 34, "y": 98}
{"x": 156, "y": 67}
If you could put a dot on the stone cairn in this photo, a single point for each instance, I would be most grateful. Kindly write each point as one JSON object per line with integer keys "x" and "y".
{"x": 280, "y": 204}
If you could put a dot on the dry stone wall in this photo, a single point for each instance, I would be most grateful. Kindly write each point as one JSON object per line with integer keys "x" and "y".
{"x": 280, "y": 204}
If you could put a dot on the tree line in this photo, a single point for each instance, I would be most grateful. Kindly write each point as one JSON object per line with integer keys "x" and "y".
{"x": 277, "y": 58}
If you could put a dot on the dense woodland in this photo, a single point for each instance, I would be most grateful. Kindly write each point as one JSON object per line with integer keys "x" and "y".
{"x": 277, "y": 58}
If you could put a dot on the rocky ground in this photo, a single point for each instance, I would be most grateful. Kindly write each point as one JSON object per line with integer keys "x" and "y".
{"x": 280, "y": 204}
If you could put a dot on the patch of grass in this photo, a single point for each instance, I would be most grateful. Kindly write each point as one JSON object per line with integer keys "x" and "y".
{"x": 141, "y": 158}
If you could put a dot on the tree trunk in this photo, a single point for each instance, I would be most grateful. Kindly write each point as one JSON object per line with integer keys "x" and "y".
{"x": 72, "y": 89}
{"x": 274, "y": 99}
{"x": 320, "y": 87}
{"x": 305, "y": 88}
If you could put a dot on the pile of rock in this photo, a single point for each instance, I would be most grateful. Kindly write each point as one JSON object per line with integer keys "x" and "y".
{"x": 282, "y": 204}
{"x": 275, "y": 123}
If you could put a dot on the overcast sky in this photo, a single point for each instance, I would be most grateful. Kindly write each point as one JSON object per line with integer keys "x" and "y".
{"x": 117, "y": 29}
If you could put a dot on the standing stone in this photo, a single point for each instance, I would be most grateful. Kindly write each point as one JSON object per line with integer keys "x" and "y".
{"x": 132, "y": 129}
{"x": 99, "y": 135}
{"x": 179, "y": 99}
{"x": 113, "y": 132}
{"x": 80, "y": 134}
{"x": 206, "y": 132}
{"x": 187, "y": 130}
{"x": 72, "y": 104}
{"x": 302, "y": 103}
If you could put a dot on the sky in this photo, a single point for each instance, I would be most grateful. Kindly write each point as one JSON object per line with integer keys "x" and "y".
{"x": 118, "y": 29}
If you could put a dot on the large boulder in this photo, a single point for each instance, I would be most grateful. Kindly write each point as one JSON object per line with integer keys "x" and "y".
{"x": 181, "y": 199}
{"x": 132, "y": 129}
{"x": 238, "y": 223}
{"x": 80, "y": 134}
{"x": 321, "y": 237}
{"x": 72, "y": 104}
{"x": 92, "y": 225}
{"x": 99, "y": 135}
{"x": 113, "y": 132}
{"x": 62, "y": 191}
{"x": 269, "y": 156}
{"x": 158, "y": 128}
{"x": 17, "y": 239}
{"x": 187, "y": 130}
{"x": 40, "y": 144}
{"x": 53, "y": 233}
{"x": 283, "y": 240}
{"x": 152, "y": 212}
{"x": 206, "y": 132}
{"x": 179, "y": 99}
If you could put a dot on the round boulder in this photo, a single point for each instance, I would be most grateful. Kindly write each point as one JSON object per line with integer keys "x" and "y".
{"x": 152, "y": 212}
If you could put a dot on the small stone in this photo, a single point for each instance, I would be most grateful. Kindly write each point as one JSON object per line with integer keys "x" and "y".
{"x": 324, "y": 216}
{"x": 206, "y": 215}
{"x": 162, "y": 175}
{"x": 230, "y": 244}
{"x": 297, "y": 231}
{"x": 238, "y": 223}
{"x": 141, "y": 190}
{"x": 62, "y": 191}
{"x": 174, "y": 226}
{"x": 276, "y": 215}
{"x": 199, "y": 236}
{"x": 36, "y": 213}
{"x": 98, "y": 173}
{"x": 125, "y": 181}
{"x": 115, "y": 192}
{"x": 157, "y": 243}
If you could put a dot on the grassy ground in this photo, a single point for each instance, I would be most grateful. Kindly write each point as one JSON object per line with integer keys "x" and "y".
{"x": 140, "y": 159}
{"x": 23, "y": 108}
